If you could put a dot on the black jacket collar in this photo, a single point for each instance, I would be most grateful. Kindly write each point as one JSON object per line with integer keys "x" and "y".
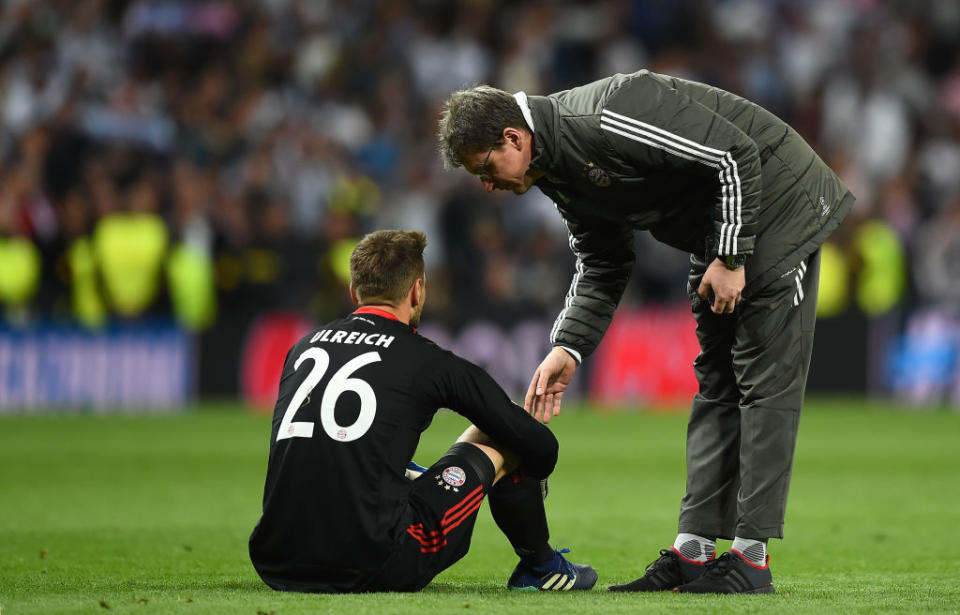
{"x": 545, "y": 118}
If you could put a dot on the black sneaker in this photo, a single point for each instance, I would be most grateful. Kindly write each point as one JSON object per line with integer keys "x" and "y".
{"x": 668, "y": 571}
{"x": 731, "y": 574}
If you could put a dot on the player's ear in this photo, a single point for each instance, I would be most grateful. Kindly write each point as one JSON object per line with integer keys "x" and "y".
{"x": 416, "y": 293}
{"x": 353, "y": 295}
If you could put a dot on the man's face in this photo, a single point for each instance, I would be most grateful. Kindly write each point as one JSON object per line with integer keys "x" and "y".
{"x": 505, "y": 166}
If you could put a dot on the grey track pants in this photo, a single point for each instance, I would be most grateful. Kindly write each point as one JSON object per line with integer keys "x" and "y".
{"x": 752, "y": 369}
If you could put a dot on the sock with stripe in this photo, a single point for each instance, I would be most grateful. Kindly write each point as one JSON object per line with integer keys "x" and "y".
{"x": 516, "y": 504}
{"x": 754, "y": 551}
{"x": 695, "y": 548}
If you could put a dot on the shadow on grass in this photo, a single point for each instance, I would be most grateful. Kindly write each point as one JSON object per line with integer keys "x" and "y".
{"x": 229, "y": 585}
{"x": 442, "y": 587}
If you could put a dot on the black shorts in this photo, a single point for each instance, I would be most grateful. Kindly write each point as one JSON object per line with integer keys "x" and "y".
{"x": 444, "y": 502}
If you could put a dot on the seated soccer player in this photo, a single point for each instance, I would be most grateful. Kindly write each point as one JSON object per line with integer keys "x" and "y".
{"x": 339, "y": 512}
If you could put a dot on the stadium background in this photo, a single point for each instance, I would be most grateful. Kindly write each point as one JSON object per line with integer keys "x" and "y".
{"x": 182, "y": 182}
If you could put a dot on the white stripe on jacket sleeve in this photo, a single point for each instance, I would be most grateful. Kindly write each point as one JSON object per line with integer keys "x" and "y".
{"x": 653, "y": 136}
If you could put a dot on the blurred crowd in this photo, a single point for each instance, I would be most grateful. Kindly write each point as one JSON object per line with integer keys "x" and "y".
{"x": 262, "y": 138}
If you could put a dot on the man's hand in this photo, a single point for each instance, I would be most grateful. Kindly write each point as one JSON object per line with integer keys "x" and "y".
{"x": 725, "y": 284}
{"x": 548, "y": 384}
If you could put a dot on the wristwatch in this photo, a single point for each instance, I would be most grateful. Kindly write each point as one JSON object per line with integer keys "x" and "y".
{"x": 734, "y": 261}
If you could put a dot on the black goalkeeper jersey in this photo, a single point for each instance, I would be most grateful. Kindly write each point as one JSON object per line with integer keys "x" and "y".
{"x": 354, "y": 397}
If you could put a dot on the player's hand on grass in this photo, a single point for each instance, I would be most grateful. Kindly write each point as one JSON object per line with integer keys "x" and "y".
{"x": 726, "y": 285}
{"x": 548, "y": 384}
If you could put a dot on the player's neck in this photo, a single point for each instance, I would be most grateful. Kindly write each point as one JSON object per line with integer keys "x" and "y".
{"x": 401, "y": 313}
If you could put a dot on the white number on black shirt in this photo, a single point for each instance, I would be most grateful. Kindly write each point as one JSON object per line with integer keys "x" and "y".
{"x": 339, "y": 383}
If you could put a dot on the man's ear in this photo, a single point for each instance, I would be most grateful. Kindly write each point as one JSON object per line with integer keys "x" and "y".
{"x": 416, "y": 293}
{"x": 353, "y": 295}
{"x": 513, "y": 137}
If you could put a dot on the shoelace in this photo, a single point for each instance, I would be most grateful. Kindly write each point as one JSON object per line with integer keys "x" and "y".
{"x": 661, "y": 561}
{"x": 718, "y": 566}
{"x": 566, "y": 567}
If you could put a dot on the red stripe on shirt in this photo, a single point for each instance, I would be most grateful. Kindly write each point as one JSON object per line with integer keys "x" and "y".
{"x": 379, "y": 312}
{"x": 376, "y": 312}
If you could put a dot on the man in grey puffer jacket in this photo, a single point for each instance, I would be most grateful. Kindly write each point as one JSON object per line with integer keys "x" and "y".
{"x": 719, "y": 177}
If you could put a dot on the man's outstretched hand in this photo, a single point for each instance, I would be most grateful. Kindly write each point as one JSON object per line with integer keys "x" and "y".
{"x": 548, "y": 384}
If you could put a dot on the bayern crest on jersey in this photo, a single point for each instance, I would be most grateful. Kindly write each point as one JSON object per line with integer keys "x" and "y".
{"x": 454, "y": 476}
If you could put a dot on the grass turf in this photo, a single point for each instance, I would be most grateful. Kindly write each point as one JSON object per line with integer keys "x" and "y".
{"x": 150, "y": 514}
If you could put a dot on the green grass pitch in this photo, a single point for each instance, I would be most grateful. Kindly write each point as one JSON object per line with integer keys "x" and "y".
{"x": 150, "y": 514}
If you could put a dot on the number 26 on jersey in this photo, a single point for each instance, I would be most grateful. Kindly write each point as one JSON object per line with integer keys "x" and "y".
{"x": 339, "y": 383}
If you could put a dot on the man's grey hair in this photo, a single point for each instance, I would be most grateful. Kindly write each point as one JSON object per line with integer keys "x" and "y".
{"x": 473, "y": 120}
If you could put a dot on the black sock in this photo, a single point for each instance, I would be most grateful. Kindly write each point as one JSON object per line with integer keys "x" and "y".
{"x": 516, "y": 504}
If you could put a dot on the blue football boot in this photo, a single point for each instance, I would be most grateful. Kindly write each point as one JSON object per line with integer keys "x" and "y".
{"x": 556, "y": 575}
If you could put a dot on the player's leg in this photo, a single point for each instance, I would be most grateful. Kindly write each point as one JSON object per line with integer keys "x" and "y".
{"x": 516, "y": 503}
{"x": 503, "y": 461}
{"x": 708, "y": 510}
{"x": 517, "y": 507}
{"x": 443, "y": 505}
{"x": 444, "y": 501}
{"x": 772, "y": 350}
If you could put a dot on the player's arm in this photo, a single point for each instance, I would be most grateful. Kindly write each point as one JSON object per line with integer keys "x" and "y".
{"x": 470, "y": 391}
{"x": 651, "y": 125}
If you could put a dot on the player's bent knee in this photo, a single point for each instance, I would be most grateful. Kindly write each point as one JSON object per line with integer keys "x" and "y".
{"x": 503, "y": 461}
{"x": 473, "y": 435}
{"x": 495, "y": 458}
{"x": 486, "y": 467}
